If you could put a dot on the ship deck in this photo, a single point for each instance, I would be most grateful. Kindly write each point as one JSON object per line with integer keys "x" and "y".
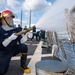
{"x": 35, "y": 54}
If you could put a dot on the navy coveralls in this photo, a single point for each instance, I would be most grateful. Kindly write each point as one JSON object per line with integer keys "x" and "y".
{"x": 11, "y": 50}
{"x": 0, "y": 24}
{"x": 34, "y": 33}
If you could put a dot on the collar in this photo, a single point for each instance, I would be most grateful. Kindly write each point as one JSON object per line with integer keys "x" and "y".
{"x": 7, "y": 28}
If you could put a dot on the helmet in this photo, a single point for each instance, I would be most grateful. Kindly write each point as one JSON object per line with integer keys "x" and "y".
{"x": 7, "y": 13}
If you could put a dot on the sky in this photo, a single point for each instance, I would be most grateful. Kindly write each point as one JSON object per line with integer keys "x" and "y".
{"x": 37, "y": 7}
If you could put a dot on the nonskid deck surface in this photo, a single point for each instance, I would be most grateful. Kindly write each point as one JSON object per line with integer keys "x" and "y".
{"x": 35, "y": 54}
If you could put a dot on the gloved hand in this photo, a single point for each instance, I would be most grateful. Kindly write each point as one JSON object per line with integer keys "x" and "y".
{"x": 24, "y": 39}
{"x": 9, "y": 39}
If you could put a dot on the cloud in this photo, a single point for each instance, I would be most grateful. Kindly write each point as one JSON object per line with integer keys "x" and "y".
{"x": 14, "y": 4}
{"x": 18, "y": 21}
{"x": 2, "y": 3}
{"x": 36, "y": 5}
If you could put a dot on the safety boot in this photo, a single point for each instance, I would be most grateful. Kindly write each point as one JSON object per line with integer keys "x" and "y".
{"x": 23, "y": 66}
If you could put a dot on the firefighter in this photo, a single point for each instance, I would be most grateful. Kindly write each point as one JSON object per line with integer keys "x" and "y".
{"x": 10, "y": 44}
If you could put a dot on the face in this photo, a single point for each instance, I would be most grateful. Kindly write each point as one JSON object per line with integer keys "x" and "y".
{"x": 9, "y": 21}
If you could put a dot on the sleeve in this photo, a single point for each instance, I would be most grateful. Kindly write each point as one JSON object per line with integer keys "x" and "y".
{"x": 19, "y": 37}
{"x": 1, "y": 40}
{"x": 23, "y": 39}
{"x": 7, "y": 41}
{"x": 0, "y": 24}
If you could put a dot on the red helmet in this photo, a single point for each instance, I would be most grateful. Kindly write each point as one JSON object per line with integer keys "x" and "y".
{"x": 7, "y": 13}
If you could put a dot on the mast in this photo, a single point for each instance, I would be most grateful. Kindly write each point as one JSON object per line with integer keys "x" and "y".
{"x": 30, "y": 18}
{"x": 21, "y": 18}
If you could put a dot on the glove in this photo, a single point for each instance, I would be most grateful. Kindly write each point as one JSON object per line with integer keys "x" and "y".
{"x": 24, "y": 39}
{"x": 9, "y": 39}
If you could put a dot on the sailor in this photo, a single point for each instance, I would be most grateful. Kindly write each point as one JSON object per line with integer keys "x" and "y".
{"x": 34, "y": 33}
{"x": 19, "y": 26}
{"x": 11, "y": 44}
{"x": 42, "y": 34}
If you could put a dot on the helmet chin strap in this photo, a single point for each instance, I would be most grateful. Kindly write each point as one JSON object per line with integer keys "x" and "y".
{"x": 7, "y": 22}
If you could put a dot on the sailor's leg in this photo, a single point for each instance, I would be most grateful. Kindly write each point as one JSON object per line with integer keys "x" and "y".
{"x": 5, "y": 58}
{"x": 23, "y": 54}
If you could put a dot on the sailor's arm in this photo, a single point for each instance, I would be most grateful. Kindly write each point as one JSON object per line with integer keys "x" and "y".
{"x": 24, "y": 31}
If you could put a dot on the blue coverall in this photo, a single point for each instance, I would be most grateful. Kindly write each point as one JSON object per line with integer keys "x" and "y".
{"x": 11, "y": 50}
